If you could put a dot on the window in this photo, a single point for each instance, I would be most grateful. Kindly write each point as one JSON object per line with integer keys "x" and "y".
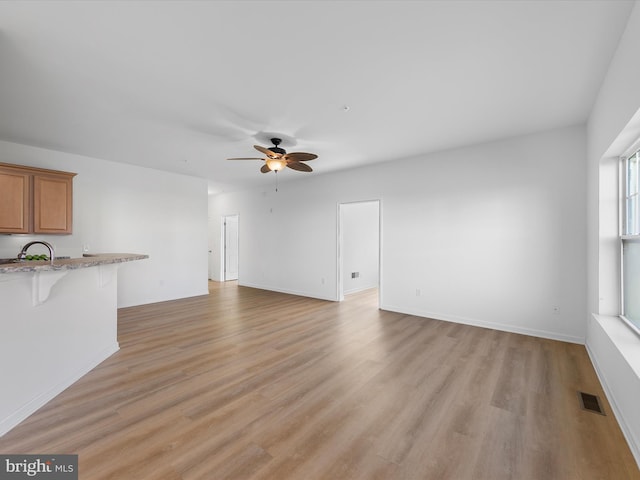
{"x": 631, "y": 240}
{"x": 632, "y": 219}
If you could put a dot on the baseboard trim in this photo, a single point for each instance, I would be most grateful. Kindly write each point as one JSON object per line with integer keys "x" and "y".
{"x": 491, "y": 325}
{"x": 38, "y": 402}
{"x": 359, "y": 289}
{"x": 299, "y": 293}
{"x": 161, "y": 300}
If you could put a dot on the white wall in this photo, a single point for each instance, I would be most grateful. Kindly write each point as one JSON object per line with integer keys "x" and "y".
{"x": 287, "y": 239}
{"x": 360, "y": 232}
{"x": 612, "y": 125}
{"x": 128, "y": 209}
{"x": 486, "y": 233}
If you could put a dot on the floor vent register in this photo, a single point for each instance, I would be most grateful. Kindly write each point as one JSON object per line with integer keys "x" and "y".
{"x": 591, "y": 403}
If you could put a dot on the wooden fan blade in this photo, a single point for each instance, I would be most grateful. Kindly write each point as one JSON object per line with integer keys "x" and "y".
{"x": 300, "y": 157}
{"x": 301, "y": 167}
{"x": 267, "y": 152}
{"x": 247, "y": 158}
{"x": 265, "y": 168}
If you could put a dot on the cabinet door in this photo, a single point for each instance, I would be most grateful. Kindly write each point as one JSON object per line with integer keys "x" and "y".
{"x": 14, "y": 201}
{"x": 52, "y": 204}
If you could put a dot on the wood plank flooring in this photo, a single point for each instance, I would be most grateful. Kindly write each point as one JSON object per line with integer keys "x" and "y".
{"x": 249, "y": 384}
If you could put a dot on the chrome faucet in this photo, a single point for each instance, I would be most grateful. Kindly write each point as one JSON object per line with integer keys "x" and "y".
{"x": 23, "y": 253}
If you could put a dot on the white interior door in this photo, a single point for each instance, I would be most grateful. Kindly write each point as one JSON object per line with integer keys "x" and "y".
{"x": 231, "y": 247}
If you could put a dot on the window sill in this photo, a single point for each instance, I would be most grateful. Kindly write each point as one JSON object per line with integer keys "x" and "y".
{"x": 625, "y": 340}
{"x": 630, "y": 324}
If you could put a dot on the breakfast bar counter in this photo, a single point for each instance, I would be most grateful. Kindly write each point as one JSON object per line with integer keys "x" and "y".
{"x": 87, "y": 260}
{"x": 58, "y": 321}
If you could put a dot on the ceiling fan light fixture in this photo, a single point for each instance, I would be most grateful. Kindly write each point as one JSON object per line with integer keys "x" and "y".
{"x": 277, "y": 159}
{"x": 276, "y": 164}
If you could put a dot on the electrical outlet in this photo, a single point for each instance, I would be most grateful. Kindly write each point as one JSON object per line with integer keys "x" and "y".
{"x": 418, "y": 293}
{"x": 556, "y": 310}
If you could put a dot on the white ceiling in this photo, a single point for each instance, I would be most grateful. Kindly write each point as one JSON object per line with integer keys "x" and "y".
{"x": 181, "y": 86}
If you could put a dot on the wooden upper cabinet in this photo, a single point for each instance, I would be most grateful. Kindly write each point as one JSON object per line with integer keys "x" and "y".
{"x": 52, "y": 204}
{"x": 15, "y": 203}
{"x": 35, "y": 200}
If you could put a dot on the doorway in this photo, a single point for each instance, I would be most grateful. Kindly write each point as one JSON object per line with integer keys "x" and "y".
{"x": 229, "y": 247}
{"x": 358, "y": 247}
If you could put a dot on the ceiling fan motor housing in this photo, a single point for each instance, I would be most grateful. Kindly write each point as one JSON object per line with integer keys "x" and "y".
{"x": 276, "y": 148}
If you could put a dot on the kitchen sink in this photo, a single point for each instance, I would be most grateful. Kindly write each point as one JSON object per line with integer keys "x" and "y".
{"x": 6, "y": 261}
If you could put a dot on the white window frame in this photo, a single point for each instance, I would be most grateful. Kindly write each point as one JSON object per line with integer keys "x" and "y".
{"x": 623, "y": 223}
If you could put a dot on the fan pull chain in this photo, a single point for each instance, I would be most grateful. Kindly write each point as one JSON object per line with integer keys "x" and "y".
{"x": 276, "y": 172}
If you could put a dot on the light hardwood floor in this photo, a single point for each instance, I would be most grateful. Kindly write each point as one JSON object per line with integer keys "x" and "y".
{"x": 250, "y": 384}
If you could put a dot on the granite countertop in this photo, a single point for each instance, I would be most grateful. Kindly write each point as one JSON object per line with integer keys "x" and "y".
{"x": 87, "y": 260}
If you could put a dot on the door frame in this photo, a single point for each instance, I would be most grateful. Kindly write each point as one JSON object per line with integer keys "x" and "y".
{"x": 340, "y": 248}
{"x": 223, "y": 244}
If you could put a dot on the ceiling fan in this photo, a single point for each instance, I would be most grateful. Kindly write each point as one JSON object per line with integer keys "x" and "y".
{"x": 277, "y": 158}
